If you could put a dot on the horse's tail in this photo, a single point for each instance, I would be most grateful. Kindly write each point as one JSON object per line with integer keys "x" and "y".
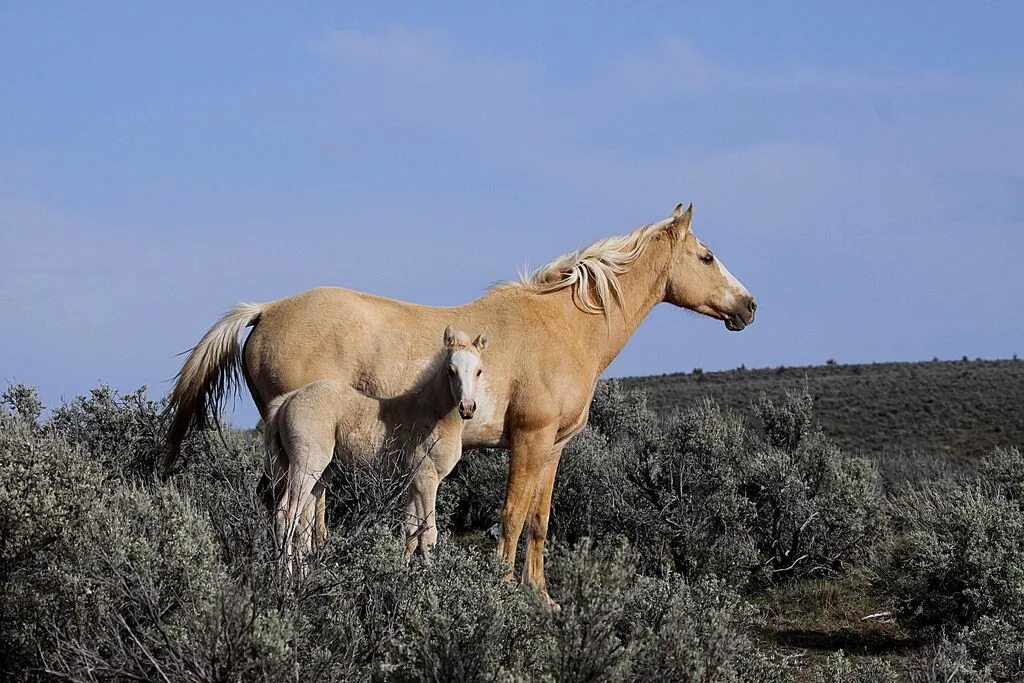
{"x": 212, "y": 369}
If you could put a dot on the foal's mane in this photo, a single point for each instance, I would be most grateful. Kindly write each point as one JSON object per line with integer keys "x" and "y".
{"x": 592, "y": 271}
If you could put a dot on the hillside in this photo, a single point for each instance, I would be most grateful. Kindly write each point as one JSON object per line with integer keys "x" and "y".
{"x": 960, "y": 409}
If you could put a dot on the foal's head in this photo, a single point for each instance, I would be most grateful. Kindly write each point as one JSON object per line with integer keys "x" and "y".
{"x": 698, "y": 280}
{"x": 464, "y": 367}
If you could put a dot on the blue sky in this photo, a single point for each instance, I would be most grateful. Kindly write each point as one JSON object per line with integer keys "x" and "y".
{"x": 858, "y": 167}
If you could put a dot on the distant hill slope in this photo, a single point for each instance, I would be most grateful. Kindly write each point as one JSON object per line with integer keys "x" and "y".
{"x": 956, "y": 408}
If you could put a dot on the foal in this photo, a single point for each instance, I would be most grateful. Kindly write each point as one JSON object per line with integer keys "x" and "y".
{"x": 306, "y": 427}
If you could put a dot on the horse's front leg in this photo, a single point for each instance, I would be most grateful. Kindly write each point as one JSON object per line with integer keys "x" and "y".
{"x": 531, "y": 451}
{"x": 540, "y": 513}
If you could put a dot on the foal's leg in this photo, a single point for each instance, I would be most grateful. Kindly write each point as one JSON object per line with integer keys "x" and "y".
{"x": 530, "y": 452}
{"x": 321, "y": 518}
{"x": 540, "y": 512}
{"x": 428, "y": 500}
{"x": 281, "y": 527}
{"x": 441, "y": 463}
{"x": 415, "y": 512}
{"x": 309, "y": 460}
{"x": 320, "y": 493}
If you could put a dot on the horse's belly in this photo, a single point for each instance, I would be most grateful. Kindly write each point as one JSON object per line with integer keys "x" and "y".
{"x": 335, "y": 334}
{"x": 487, "y": 428}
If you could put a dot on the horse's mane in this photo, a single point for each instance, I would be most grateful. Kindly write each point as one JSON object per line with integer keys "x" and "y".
{"x": 592, "y": 271}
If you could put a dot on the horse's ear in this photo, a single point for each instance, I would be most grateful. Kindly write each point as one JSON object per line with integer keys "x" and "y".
{"x": 481, "y": 341}
{"x": 449, "y": 336}
{"x": 681, "y": 219}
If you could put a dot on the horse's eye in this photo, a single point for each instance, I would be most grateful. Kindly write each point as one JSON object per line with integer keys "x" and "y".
{"x": 479, "y": 372}
{"x": 708, "y": 257}
{"x": 451, "y": 369}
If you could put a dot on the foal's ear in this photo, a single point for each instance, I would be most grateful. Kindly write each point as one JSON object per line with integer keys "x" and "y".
{"x": 481, "y": 341}
{"x": 681, "y": 219}
{"x": 449, "y": 336}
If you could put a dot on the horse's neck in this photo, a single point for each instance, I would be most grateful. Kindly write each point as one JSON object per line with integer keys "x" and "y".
{"x": 501, "y": 311}
{"x": 642, "y": 288}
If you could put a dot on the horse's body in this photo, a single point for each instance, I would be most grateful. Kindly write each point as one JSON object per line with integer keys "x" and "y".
{"x": 554, "y": 334}
{"x": 420, "y": 430}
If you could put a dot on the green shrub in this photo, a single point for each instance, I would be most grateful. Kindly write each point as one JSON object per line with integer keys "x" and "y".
{"x": 947, "y": 662}
{"x": 997, "y": 644}
{"x": 673, "y": 490}
{"x": 700, "y": 494}
{"x": 817, "y": 509}
{"x": 839, "y": 668}
{"x": 617, "y": 625}
{"x": 470, "y": 498}
{"x": 124, "y": 432}
{"x": 46, "y": 489}
{"x": 1002, "y": 473}
{"x": 112, "y": 573}
{"x": 24, "y": 402}
{"x": 960, "y": 557}
{"x": 466, "y": 624}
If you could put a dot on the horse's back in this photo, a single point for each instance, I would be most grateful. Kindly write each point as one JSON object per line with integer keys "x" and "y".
{"x": 336, "y": 333}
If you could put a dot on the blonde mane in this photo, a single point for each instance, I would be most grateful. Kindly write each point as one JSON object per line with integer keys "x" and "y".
{"x": 592, "y": 271}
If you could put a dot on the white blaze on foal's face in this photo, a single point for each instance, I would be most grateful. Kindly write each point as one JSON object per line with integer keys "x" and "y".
{"x": 465, "y": 367}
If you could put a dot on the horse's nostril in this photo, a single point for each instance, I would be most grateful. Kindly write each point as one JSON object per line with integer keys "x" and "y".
{"x": 753, "y": 305}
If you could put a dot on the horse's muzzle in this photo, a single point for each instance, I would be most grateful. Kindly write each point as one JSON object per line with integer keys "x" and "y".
{"x": 734, "y": 322}
{"x": 467, "y": 409}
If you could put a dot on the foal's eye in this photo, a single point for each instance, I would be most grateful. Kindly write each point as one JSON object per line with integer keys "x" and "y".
{"x": 479, "y": 372}
{"x": 708, "y": 257}
{"x": 451, "y": 369}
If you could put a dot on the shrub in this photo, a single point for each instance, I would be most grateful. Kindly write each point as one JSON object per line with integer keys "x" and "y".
{"x": 945, "y": 662}
{"x": 1002, "y": 473}
{"x": 154, "y": 600}
{"x": 958, "y": 569}
{"x": 470, "y": 498}
{"x": 839, "y": 668}
{"x": 466, "y": 624}
{"x": 961, "y": 556}
{"x": 124, "y": 432}
{"x": 998, "y": 645}
{"x": 698, "y": 493}
{"x": 46, "y": 488}
{"x": 24, "y": 402}
{"x": 672, "y": 490}
{"x": 111, "y": 573}
{"x": 617, "y": 625}
{"x": 817, "y": 509}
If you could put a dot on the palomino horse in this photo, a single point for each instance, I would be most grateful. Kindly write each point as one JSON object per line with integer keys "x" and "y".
{"x": 554, "y": 331}
{"x": 307, "y": 427}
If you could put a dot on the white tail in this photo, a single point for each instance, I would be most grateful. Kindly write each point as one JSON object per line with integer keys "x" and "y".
{"x": 212, "y": 369}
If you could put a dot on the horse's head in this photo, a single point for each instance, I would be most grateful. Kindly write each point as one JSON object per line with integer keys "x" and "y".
{"x": 698, "y": 280}
{"x": 464, "y": 367}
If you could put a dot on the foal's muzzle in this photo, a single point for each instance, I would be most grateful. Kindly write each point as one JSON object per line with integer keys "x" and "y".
{"x": 466, "y": 409}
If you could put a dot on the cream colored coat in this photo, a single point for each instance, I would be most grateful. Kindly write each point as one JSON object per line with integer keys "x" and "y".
{"x": 554, "y": 334}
